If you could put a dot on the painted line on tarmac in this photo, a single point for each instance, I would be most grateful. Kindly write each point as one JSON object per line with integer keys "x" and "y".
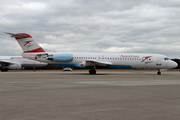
{"x": 98, "y": 110}
{"x": 22, "y": 82}
{"x": 131, "y": 83}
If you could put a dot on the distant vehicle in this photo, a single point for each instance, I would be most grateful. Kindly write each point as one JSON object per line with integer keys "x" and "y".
{"x": 33, "y": 51}
{"x": 17, "y": 63}
{"x": 67, "y": 69}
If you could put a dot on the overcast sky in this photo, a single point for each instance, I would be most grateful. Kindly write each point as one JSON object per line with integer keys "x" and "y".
{"x": 142, "y": 26}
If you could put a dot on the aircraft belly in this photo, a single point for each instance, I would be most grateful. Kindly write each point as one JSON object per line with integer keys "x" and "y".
{"x": 116, "y": 67}
{"x": 109, "y": 66}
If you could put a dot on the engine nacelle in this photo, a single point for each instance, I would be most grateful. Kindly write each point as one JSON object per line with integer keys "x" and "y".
{"x": 15, "y": 67}
{"x": 61, "y": 57}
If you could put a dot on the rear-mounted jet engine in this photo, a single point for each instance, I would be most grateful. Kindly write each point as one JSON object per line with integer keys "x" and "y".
{"x": 61, "y": 57}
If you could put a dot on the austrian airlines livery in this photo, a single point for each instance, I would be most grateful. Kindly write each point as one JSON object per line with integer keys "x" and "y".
{"x": 92, "y": 60}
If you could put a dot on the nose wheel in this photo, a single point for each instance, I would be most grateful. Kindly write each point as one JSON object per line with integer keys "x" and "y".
{"x": 159, "y": 72}
{"x": 92, "y": 71}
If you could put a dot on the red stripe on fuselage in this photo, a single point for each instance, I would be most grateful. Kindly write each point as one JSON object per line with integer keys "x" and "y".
{"x": 35, "y": 50}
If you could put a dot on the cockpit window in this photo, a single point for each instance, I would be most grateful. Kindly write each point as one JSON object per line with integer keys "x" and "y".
{"x": 166, "y": 58}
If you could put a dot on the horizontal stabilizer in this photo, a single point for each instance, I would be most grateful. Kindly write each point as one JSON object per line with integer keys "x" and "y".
{"x": 15, "y": 35}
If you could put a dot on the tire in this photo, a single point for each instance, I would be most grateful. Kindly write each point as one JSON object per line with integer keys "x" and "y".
{"x": 159, "y": 73}
{"x": 92, "y": 71}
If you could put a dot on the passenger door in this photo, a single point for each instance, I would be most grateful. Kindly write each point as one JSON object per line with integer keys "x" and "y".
{"x": 158, "y": 63}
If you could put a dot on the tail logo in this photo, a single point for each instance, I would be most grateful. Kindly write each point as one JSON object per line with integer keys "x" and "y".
{"x": 27, "y": 42}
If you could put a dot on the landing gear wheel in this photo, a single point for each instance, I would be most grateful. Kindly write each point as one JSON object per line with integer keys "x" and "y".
{"x": 159, "y": 73}
{"x": 34, "y": 69}
{"x": 4, "y": 70}
{"x": 92, "y": 71}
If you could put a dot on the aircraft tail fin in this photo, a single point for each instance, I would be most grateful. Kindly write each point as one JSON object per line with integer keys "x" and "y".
{"x": 27, "y": 43}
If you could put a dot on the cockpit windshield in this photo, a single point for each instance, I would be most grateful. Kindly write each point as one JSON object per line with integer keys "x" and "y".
{"x": 166, "y": 58}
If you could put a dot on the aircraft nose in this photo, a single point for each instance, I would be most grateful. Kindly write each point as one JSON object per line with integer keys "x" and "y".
{"x": 172, "y": 64}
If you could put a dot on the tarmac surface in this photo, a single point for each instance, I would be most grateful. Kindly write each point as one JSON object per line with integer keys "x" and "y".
{"x": 108, "y": 95}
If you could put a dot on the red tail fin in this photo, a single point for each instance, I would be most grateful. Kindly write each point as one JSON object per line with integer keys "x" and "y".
{"x": 27, "y": 43}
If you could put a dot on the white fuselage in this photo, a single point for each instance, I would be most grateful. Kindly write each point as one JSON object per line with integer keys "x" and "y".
{"x": 24, "y": 62}
{"x": 33, "y": 51}
{"x": 117, "y": 60}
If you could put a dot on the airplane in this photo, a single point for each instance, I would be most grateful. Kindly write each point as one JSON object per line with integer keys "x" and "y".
{"x": 17, "y": 63}
{"x": 93, "y": 61}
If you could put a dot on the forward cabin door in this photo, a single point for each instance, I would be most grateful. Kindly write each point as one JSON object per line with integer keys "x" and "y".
{"x": 158, "y": 63}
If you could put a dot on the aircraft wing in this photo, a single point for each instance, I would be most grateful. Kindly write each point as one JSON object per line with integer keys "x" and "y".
{"x": 3, "y": 62}
{"x": 97, "y": 63}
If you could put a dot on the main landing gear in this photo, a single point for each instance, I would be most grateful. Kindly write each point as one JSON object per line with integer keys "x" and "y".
{"x": 92, "y": 71}
{"x": 159, "y": 72}
{"x": 34, "y": 69}
{"x": 4, "y": 70}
